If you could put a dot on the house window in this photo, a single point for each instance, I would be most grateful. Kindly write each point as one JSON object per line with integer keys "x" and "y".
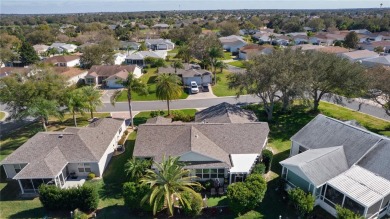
{"x": 210, "y": 173}
{"x": 90, "y": 80}
{"x": 84, "y": 167}
{"x": 18, "y": 167}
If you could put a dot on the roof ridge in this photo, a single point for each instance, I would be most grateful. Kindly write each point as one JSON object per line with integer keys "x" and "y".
{"x": 333, "y": 149}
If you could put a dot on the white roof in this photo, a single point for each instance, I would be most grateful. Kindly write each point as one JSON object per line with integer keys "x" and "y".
{"x": 242, "y": 163}
{"x": 361, "y": 185}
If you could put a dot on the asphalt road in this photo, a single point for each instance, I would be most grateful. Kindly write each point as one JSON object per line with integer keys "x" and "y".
{"x": 204, "y": 103}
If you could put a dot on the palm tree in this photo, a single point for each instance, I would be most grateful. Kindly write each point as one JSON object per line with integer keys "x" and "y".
{"x": 75, "y": 101}
{"x": 168, "y": 88}
{"x": 170, "y": 181}
{"x": 93, "y": 97}
{"x": 42, "y": 108}
{"x": 221, "y": 65}
{"x": 177, "y": 64}
{"x": 135, "y": 168}
{"x": 215, "y": 53}
{"x": 131, "y": 84}
{"x": 184, "y": 53}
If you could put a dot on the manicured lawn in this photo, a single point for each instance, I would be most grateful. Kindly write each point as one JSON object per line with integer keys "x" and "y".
{"x": 2, "y": 115}
{"x": 221, "y": 89}
{"x": 217, "y": 201}
{"x": 238, "y": 63}
{"x": 150, "y": 79}
{"x": 226, "y": 56}
{"x": 141, "y": 117}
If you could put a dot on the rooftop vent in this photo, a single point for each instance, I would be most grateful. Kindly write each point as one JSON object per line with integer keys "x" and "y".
{"x": 60, "y": 136}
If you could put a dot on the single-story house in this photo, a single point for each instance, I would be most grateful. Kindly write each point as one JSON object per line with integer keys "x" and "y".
{"x": 138, "y": 58}
{"x": 73, "y": 75}
{"x": 189, "y": 73}
{"x": 359, "y": 55}
{"x": 341, "y": 163}
{"x": 247, "y": 51}
{"x": 232, "y": 43}
{"x": 111, "y": 75}
{"x": 159, "y": 44}
{"x": 224, "y": 151}
{"x": 127, "y": 45}
{"x": 63, "y": 61}
{"x": 160, "y": 26}
{"x": 385, "y": 45}
{"x": 333, "y": 49}
{"x": 225, "y": 113}
{"x": 6, "y": 71}
{"x": 64, "y": 47}
{"x": 380, "y": 60}
{"x": 40, "y": 48}
{"x": 61, "y": 158}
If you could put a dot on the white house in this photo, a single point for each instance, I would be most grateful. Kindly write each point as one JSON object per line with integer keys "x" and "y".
{"x": 73, "y": 75}
{"x": 40, "y": 48}
{"x": 138, "y": 58}
{"x": 111, "y": 75}
{"x": 232, "y": 43}
{"x": 64, "y": 61}
{"x": 340, "y": 163}
{"x": 64, "y": 47}
{"x": 64, "y": 158}
{"x": 359, "y": 55}
{"x": 380, "y": 60}
{"x": 247, "y": 51}
{"x": 189, "y": 73}
{"x": 159, "y": 44}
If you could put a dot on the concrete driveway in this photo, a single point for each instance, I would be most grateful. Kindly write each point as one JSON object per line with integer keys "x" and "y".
{"x": 202, "y": 95}
{"x": 106, "y": 94}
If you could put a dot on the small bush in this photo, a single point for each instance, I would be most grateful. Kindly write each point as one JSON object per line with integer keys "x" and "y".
{"x": 208, "y": 184}
{"x": 344, "y": 213}
{"x": 91, "y": 176}
{"x": 251, "y": 215}
{"x": 180, "y": 116}
{"x": 302, "y": 201}
{"x": 195, "y": 205}
{"x": 133, "y": 194}
{"x": 79, "y": 214}
{"x": 267, "y": 159}
{"x": 259, "y": 169}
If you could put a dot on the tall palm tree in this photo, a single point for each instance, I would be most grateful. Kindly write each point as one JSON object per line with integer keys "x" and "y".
{"x": 131, "y": 84}
{"x": 221, "y": 65}
{"x": 177, "y": 64}
{"x": 184, "y": 53}
{"x": 135, "y": 168}
{"x": 75, "y": 101}
{"x": 42, "y": 108}
{"x": 167, "y": 183}
{"x": 214, "y": 53}
{"x": 168, "y": 88}
{"x": 93, "y": 97}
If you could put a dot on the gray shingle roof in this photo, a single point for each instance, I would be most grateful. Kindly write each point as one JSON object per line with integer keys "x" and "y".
{"x": 378, "y": 159}
{"x": 189, "y": 70}
{"x": 319, "y": 165}
{"x": 109, "y": 70}
{"x": 157, "y": 140}
{"x": 324, "y": 132}
{"x": 225, "y": 113}
{"x": 47, "y": 152}
{"x": 159, "y": 120}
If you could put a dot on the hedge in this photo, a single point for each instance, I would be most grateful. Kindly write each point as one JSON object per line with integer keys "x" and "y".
{"x": 267, "y": 159}
{"x": 133, "y": 194}
{"x": 85, "y": 198}
{"x": 251, "y": 215}
{"x": 195, "y": 204}
{"x": 259, "y": 168}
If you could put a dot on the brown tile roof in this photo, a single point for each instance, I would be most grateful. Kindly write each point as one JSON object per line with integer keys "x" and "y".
{"x": 333, "y": 49}
{"x": 253, "y": 47}
{"x": 61, "y": 59}
{"x": 109, "y": 70}
{"x": 68, "y": 72}
{"x": 215, "y": 140}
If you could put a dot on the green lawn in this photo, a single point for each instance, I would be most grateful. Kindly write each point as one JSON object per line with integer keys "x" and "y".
{"x": 2, "y": 115}
{"x": 150, "y": 79}
{"x": 226, "y": 56}
{"x": 238, "y": 63}
{"x": 217, "y": 201}
{"x": 221, "y": 89}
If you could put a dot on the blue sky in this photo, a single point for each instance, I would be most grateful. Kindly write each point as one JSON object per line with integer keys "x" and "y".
{"x": 77, "y": 6}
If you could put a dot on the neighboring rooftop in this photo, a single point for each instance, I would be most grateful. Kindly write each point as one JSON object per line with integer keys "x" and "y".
{"x": 46, "y": 153}
{"x": 61, "y": 59}
{"x": 360, "y": 54}
{"x": 68, "y": 72}
{"x": 225, "y": 113}
{"x": 188, "y": 70}
{"x": 110, "y": 70}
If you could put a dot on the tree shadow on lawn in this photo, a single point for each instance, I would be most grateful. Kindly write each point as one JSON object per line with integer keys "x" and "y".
{"x": 152, "y": 79}
{"x": 33, "y": 213}
{"x": 115, "y": 211}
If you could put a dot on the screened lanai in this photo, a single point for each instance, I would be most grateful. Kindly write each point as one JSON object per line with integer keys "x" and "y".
{"x": 360, "y": 191}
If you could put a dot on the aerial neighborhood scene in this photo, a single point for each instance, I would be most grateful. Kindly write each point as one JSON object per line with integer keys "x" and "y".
{"x": 195, "y": 109}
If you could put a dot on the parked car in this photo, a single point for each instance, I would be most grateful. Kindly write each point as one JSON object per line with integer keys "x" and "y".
{"x": 194, "y": 87}
{"x": 205, "y": 88}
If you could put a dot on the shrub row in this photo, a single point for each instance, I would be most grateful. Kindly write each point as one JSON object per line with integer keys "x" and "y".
{"x": 180, "y": 116}
{"x": 267, "y": 159}
{"x": 85, "y": 198}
